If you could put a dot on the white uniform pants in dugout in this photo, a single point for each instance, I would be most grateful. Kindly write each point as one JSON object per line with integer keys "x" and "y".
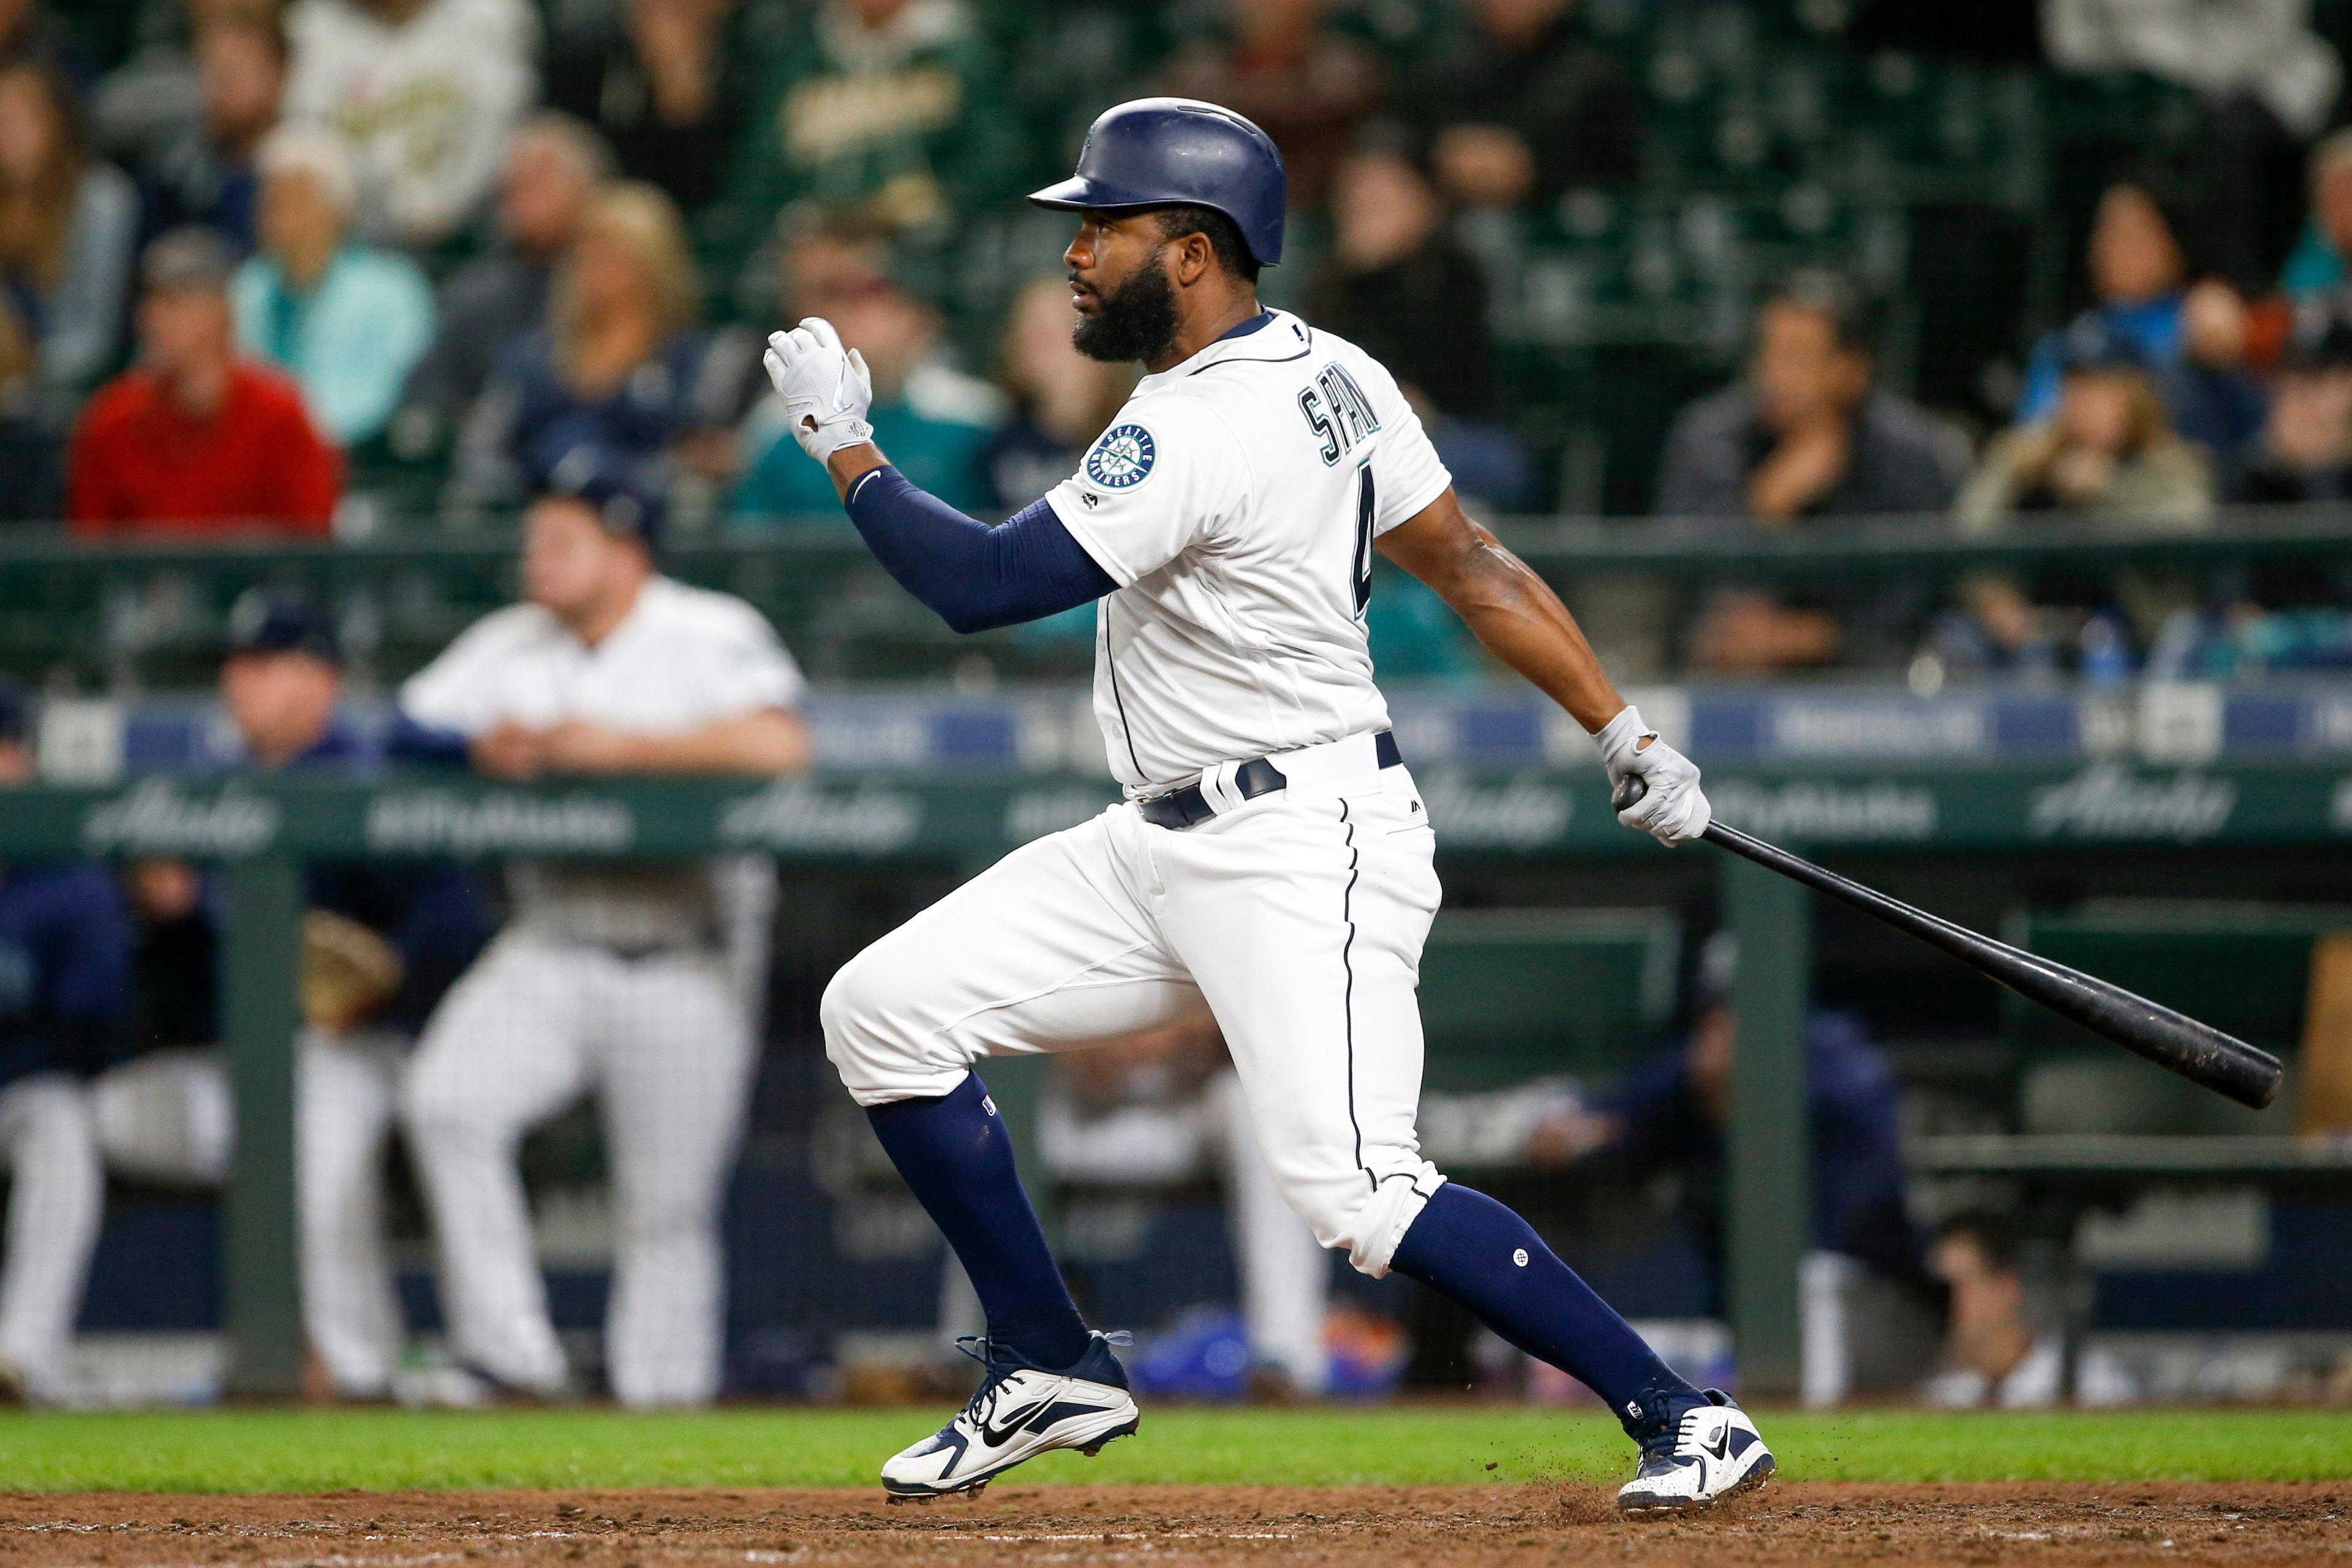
{"x": 665, "y": 1042}
{"x": 169, "y": 1116}
{"x": 56, "y": 1197}
{"x": 1297, "y": 917}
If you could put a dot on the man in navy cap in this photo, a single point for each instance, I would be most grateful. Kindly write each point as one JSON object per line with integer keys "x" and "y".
{"x": 1671, "y": 1111}
{"x": 64, "y": 976}
{"x": 381, "y": 942}
{"x": 282, "y": 679}
{"x": 2304, "y": 454}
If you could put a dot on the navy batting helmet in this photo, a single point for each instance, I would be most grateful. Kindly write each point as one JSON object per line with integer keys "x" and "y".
{"x": 1172, "y": 152}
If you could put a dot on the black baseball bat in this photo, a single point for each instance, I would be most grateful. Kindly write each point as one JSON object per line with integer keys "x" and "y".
{"x": 2173, "y": 1041}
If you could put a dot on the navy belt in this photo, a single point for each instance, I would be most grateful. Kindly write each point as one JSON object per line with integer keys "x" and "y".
{"x": 1188, "y": 807}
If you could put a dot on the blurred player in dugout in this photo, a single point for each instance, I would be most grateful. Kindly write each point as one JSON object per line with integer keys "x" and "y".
{"x": 65, "y": 944}
{"x": 1866, "y": 1287}
{"x": 381, "y": 941}
{"x": 638, "y": 983}
{"x": 1165, "y": 1106}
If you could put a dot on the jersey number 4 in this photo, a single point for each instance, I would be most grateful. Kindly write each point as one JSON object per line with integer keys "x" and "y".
{"x": 1362, "y": 568}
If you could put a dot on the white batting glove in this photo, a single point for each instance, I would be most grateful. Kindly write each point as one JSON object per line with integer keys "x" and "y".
{"x": 825, "y": 390}
{"x": 1665, "y": 801}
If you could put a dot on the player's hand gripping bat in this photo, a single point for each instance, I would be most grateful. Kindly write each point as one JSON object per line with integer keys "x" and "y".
{"x": 2197, "y": 1052}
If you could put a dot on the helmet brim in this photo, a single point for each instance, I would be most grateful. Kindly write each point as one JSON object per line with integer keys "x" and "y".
{"x": 1081, "y": 194}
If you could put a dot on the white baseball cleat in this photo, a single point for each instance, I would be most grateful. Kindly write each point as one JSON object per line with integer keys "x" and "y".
{"x": 1697, "y": 1449}
{"x": 1020, "y": 1411}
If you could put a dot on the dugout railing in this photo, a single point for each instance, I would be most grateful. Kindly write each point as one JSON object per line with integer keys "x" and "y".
{"x": 133, "y": 615}
{"x": 1972, "y": 840}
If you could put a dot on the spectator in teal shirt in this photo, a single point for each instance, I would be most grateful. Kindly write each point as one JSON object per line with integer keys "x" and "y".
{"x": 936, "y": 423}
{"x": 346, "y": 321}
{"x": 2316, "y": 265}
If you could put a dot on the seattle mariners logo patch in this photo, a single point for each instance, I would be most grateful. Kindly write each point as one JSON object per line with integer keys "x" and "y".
{"x": 1122, "y": 458}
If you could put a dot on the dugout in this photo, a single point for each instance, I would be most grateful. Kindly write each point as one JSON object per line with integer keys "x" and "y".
{"x": 1536, "y": 894}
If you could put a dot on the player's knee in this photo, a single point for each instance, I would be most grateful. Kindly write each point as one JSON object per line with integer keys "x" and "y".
{"x": 1349, "y": 1212}
{"x": 841, "y": 1010}
{"x": 837, "y": 1008}
{"x": 49, "y": 1101}
{"x": 881, "y": 1028}
{"x": 1328, "y": 1199}
{"x": 434, "y": 1107}
{"x": 54, "y": 1118}
{"x": 853, "y": 1000}
{"x": 668, "y": 1231}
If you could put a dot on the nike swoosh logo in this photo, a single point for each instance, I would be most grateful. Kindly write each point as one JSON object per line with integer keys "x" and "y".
{"x": 998, "y": 1432}
{"x": 1722, "y": 1443}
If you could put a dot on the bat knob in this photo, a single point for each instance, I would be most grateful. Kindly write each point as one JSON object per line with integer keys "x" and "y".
{"x": 1628, "y": 792}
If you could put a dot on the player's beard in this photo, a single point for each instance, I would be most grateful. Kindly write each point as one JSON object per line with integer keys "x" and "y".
{"x": 1137, "y": 321}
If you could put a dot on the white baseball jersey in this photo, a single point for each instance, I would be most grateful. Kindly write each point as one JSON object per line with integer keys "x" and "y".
{"x": 682, "y": 659}
{"x": 1235, "y": 499}
{"x": 608, "y": 981}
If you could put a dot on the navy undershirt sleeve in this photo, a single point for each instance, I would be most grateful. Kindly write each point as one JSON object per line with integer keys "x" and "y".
{"x": 410, "y": 742}
{"x": 975, "y": 577}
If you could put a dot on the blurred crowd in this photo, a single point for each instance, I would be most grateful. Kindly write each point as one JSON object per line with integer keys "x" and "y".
{"x": 2171, "y": 397}
{"x": 334, "y": 233}
{"x": 275, "y": 249}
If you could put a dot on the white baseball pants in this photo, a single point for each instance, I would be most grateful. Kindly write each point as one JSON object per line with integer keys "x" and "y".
{"x": 171, "y": 1116}
{"x": 1297, "y": 917}
{"x": 56, "y": 1197}
{"x": 665, "y": 1042}
{"x": 347, "y": 1090}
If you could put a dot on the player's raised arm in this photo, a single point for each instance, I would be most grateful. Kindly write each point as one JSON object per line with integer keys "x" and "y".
{"x": 976, "y": 577}
{"x": 1522, "y": 622}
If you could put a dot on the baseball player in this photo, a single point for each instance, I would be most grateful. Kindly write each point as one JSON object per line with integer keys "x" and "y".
{"x": 65, "y": 979}
{"x": 632, "y": 982}
{"x": 381, "y": 943}
{"x": 1273, "y": 857}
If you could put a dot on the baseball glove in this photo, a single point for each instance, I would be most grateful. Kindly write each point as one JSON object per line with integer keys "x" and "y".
{"x": 348, "y": 971}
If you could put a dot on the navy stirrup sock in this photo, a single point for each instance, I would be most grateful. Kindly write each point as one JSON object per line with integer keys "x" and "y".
{"x": 955, "y": 1154}
{"x": 1472, "y": 1250}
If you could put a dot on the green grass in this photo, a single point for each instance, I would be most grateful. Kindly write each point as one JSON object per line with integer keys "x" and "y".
{"x": 306, "y": 1451}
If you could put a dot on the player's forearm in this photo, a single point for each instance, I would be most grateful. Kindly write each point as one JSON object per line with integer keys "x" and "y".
{"x": 852, "y": 464}
{"x": 1522, "y": 622}
{"x": 769, "y": 742}
{"x": 973, "y": 576}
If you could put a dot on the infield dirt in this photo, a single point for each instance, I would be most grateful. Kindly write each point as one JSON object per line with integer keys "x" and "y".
{"x": 2267, "y": 1524}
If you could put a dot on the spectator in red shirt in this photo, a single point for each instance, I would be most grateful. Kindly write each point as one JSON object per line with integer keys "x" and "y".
{"x": 193, "y": 439}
